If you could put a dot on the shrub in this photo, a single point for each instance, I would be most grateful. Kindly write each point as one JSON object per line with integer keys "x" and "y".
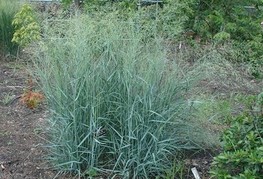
{"x": 27, "y": 29}
{"x": 223, "y": 21}
{"x": 8, "y": 9}
{"x": 241, "y": 19}
{"x": 116, "y": 102}
{"x": 242, "y": 155}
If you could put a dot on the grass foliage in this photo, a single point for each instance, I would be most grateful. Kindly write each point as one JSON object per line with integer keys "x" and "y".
{"x": 117, "y": 103}
{"x": 8, "y": 9}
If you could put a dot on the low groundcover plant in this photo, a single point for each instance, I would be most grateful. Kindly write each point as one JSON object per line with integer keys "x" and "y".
{"x": 242, "y": 156}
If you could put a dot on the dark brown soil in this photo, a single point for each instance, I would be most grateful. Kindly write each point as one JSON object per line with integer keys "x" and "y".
{"x": 21, "y": 145}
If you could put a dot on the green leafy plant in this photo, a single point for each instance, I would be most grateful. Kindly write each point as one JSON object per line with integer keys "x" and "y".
{"x": 242, "y": 155}
{"x": 27, "y": 28}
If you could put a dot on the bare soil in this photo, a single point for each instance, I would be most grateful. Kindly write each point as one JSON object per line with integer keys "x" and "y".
{"x": 21, "y": 143}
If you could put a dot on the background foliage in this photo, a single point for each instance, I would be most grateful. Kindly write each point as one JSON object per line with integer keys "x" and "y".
{"x": 222, "y": 21}
{"x": 8, "y": 9}
{"x": 204, "y": 21}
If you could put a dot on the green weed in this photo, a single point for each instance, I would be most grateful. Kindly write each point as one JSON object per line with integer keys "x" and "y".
{"x": 7, "y": 98}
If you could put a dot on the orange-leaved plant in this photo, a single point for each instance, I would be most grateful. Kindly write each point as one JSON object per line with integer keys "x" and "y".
{"x": 31, "y": 98}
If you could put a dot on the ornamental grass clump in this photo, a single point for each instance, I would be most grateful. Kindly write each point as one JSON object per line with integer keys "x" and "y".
{"x": 116, "y": 102}
{"x": 8, "y": 9}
